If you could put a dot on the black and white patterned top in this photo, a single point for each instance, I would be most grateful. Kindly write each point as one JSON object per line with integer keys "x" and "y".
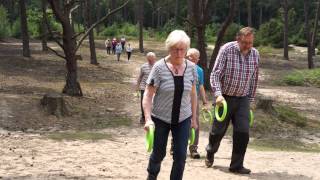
{"x": 163, "y": 79}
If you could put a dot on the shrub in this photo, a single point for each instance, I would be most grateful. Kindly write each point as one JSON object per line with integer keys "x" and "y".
{"x": 4, "y": 25}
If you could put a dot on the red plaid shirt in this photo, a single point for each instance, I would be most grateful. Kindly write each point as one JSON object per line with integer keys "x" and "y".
{"x": 234, "y": 74}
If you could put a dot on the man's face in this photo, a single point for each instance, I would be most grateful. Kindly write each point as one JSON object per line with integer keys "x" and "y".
{"x": 193, "y": 58}
{"x": 245, "y": 43}
{"x": 151, "y": 59}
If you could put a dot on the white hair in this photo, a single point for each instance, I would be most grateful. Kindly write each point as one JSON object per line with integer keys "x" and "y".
{"x": 151, "y": 54}
{"x": 177, "y": 36}
{"x": 193, "y": 51}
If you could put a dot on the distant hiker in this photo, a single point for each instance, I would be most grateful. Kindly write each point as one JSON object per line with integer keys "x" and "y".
{"x": 129, "y": 51}
{"x": 108, "y": 45}
{"x": 118, "y": 51}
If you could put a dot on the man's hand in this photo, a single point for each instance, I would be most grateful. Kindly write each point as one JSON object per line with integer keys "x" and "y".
{"x": 206, "y": 106}
{"x": 253, "y": 106}
{"x": 219, "y": 100}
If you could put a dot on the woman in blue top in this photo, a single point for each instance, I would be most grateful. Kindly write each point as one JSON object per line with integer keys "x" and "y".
{"x": 169, "y": 104}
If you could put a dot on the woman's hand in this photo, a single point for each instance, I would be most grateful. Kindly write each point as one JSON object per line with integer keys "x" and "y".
{"x": 194, "y": 123}
{"x": 148, "y": 123}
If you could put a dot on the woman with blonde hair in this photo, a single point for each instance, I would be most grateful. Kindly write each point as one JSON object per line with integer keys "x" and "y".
{"x": 169, "y": 104}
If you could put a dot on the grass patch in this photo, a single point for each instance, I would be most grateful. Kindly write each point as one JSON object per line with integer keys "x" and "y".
{"x": 283, "y": 145}
{"x": 80, "y": 135}
{"x": 266, "y": 50}
{"x": 303, "y": 78}
{"x": 289, "y": 115}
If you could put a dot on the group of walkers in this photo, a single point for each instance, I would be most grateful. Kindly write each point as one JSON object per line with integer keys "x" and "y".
{"x": 170, "y": 91}
{"x": 118, "y": 46}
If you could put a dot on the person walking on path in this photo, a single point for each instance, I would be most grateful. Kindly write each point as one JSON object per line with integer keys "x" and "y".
{"x": 169, "y": 104}
{"x": 108, "y": 45}
{"x": 118, "y": 51}
{"x": 142, "y": 79}
{"x": 234, "y": 79}
{"x": 193, "y": 55}
{"x": 123, "y": 41}
{"x": 114, "y": 44}
{"x": 129, "y": 51}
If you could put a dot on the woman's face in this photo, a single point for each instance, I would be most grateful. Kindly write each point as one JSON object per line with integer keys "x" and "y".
{"x": 178, "y": 51}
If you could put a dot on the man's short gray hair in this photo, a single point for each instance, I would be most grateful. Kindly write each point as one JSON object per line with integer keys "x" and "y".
{"x": 245, "y": 31}
{"x": 177, "y": 36}
{"x": 151, "y": 54}
{"x": 193, "y": 51}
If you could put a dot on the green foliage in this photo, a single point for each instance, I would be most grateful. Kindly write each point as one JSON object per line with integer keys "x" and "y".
{"x": 117, "y": 30}
{"x": 303, "y": 78}
{"x": 16, "y": 28}
{"x": 270, "y": 34}
{"x": 231, "y": 32}
{"x": 4, "y": 25}
{"x": 34, "y": 22}
{"x": 211, "y": 32}
{"x": 289, "y": 115}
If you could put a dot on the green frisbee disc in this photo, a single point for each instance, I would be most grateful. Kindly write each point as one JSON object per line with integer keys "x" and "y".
{"x": 149, "y": 138}
{"x": 192, "y": 136}
{"x": 207, "y": 115}
{"x": 251, "y": 118}
{"x": 224, "y": 113}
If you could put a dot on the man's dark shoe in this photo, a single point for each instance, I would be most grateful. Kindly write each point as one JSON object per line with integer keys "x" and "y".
{"x": 242, "y": 170}
{"x": 209, "y": 159}
{"x": 194, "y": 154}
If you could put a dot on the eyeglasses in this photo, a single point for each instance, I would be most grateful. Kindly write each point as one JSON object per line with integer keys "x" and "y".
{"x": 176, "y": 50}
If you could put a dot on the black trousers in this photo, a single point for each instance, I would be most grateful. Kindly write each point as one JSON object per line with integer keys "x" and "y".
{"x": 238, "y": 114}
{"x": 141, "y": 98}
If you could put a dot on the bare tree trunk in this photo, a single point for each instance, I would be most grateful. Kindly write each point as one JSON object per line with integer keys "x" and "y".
{"x": 260, "y": 15}
{"x": 43, "y": 28}
{"x": 141, "y": 19}
{"x": 176, "y": 12}
{"x": 220, "y": 36}
{"x": 24, "y": 29}
{"x": 189, "y": 17}
{"x": 249, "y": 12}
{"x": 88, "y": 16}
{"x": 315, "y": 29}
{"x": 285, "y": 31}
{"x": 112, "y": 6}
{"x": 308, "y": 34}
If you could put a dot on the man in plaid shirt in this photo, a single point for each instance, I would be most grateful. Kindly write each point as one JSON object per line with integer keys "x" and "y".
{"x": 234, "y": 79}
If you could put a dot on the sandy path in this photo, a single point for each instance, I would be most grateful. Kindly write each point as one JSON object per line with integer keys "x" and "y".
{"x": 30, "y": 156}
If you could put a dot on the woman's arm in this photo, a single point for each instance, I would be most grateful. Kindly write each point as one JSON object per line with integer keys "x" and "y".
{"x": 194, "y": 107}
{"x": 147, "y": 104}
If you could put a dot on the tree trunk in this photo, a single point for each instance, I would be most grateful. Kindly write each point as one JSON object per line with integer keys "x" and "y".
{"x": 220, "y": 36}
{"x": 112, "y": 6}
{"x": 260, "y": 15}
{"x": 93, "y": 56}
{"x": 141, "y": 19}
{"x": 315, "y": 30}
{"x": 249, "y": 12}
{"x": 189, "y": 16}
{"x": 307, "y": 33}
{"x": 44, "y": 30}
{"x": 24, "y": 29}
{"x": 54, "y": 104}
{"x": 176, "y": 12}
{"x": 285, "y": 31}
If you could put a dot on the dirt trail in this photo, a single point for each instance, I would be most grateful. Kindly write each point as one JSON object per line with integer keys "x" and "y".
{"x": 123, "y": 155}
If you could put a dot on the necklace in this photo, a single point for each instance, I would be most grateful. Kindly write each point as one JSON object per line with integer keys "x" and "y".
{"x": 175, "y": 70}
